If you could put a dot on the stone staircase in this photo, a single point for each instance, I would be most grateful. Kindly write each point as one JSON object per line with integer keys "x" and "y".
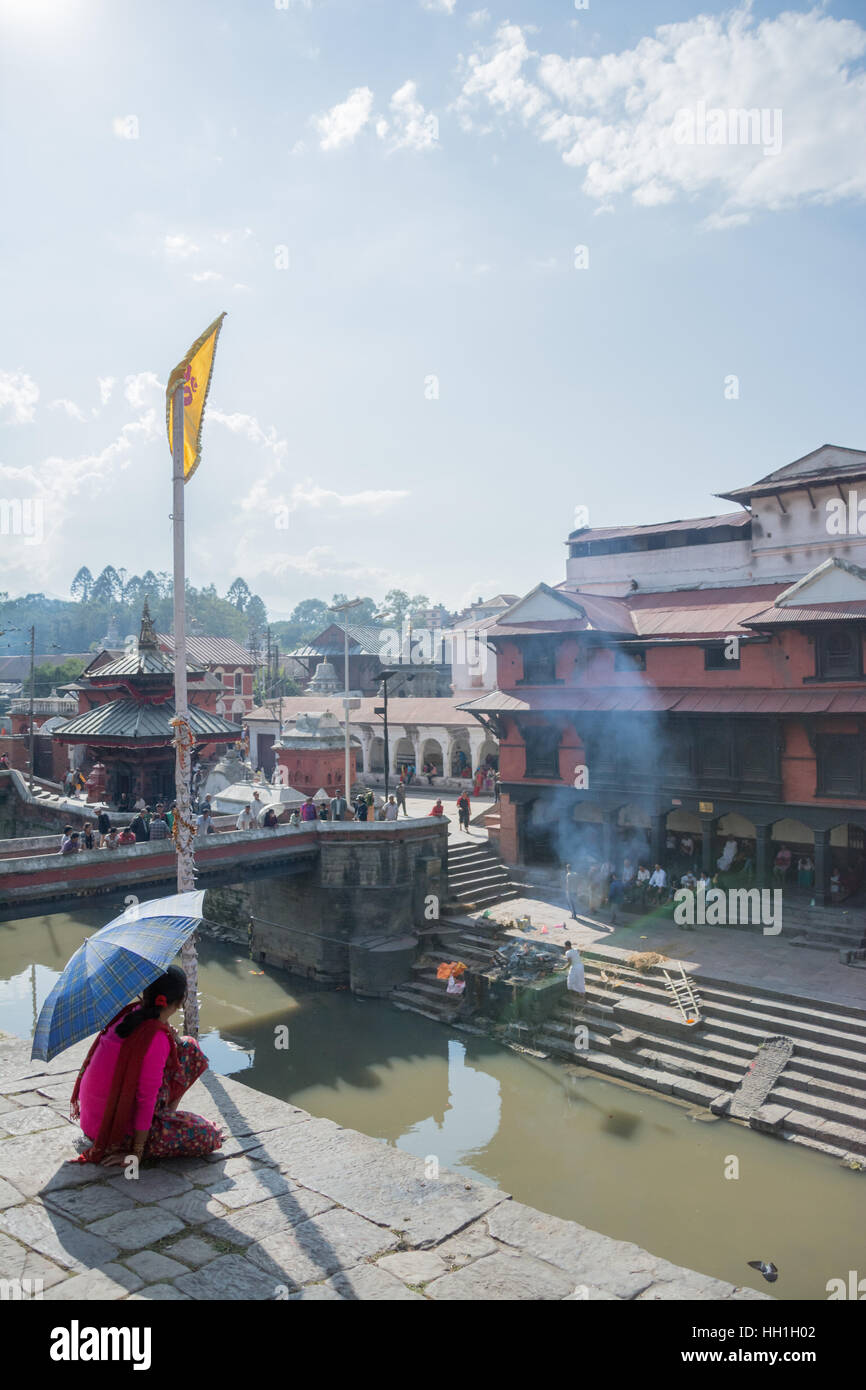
{"x": 825, "y": 928}
{"x": 818, "y": 1099}
{"x": 473, "y": 942}
{"x": 477, "y": 876}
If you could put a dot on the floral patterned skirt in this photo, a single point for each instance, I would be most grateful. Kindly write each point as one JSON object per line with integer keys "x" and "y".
{"x": 180, "y": 1133}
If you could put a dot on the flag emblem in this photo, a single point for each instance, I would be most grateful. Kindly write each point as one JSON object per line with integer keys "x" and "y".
{"x": 194, "y": 375}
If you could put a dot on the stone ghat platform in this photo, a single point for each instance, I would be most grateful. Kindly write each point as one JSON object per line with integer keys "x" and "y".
{"x": 292, "y": 1208}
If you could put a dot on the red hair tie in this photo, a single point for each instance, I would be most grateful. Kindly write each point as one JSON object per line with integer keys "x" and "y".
{"x": 160, "y": 1001}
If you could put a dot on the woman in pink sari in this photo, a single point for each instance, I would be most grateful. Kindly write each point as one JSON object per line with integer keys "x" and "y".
{"x": 127, "y": 1091}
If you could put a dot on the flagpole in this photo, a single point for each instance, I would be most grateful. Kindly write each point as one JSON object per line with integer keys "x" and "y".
{"x": 183, "y": 828}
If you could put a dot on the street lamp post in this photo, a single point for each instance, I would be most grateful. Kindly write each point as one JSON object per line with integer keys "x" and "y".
{"x": 384, "y": 677}
{"x": 32, "y": 692}
{"x": 344, "y": 608}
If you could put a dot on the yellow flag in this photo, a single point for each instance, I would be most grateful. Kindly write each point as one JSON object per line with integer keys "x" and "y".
{"x": 195, "y": 374}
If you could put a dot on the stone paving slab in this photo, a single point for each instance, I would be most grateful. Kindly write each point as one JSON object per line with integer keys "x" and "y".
{"x": 320, "y": 1246}
{"x": 87, "y": 1204}
{"x": 192, "y": 1250}
{"x": 153, "y": 1267}
{"x": 9, "y": 1195}
{"x": 151, "y": 1185}
{"x": 111, "y": 1281}
{"x": 266, "y": 1218}
{"x": 133, "y": 1230}
{"x": 353, "y": 1170}
{"x": 414, "y": 1266}
{"x": 366, "y": 1282}
{"x": 314, "y": 1211}
{"x": 17, "y": 1262}
{"x": 60, "y": 1240}
{"x": 590, "y": 1258}
{"x": 229, "y": 1277}
{"x": 30, "y": 1119}
{"x": 506, "y": 1275}
{"x": 166, "y": 1292}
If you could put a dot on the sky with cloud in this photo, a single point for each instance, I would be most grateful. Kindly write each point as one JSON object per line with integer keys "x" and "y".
{"x": 482, "y": 266}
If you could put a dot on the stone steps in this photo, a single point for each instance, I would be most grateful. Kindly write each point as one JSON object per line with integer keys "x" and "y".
{"x": 838, "y": 1111}
{"x": 840, "y": 1139}
{"x": 477, "y": 875}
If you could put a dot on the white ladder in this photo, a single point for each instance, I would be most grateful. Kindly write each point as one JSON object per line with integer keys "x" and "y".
{"x": 682, "y": 989}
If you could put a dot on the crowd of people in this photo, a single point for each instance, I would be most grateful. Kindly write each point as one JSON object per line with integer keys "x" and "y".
{"x": 642, "y": 883}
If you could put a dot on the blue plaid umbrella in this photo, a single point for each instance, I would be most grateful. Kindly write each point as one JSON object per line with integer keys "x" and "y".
{"x": 112, "y": 967}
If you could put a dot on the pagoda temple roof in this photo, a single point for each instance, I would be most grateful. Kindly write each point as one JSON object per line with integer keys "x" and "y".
{"x": 143, "y": 723}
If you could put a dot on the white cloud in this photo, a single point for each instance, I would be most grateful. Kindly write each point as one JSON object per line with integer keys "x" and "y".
{"x": 72, "y": 410}
{"x": 497, "y": 78}
{"x": 478, "y": 18}
{"x": 18, "y": 394}
{"x": 202, "y": 276}
{"x": 375, "y": 500}
{"x": 616, "y": 117}
{"x": 249, "y": 427}
{"x": 412, "y": 127}
{"x": 439, "y": 6}
{"x": 344, "y": 122}
{"x": 179, "y": 247}
{"x": 138, "y": 387}
{"x": 106, "y": 386}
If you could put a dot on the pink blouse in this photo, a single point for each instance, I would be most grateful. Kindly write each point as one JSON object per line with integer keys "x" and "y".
{"x": 96, "y": 1082}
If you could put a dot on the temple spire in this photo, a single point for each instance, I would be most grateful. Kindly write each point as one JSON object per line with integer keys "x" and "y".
{"x": 147, "y": 636}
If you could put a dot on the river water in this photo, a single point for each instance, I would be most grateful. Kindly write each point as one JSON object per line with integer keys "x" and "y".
{"x": 616, "y": 1160}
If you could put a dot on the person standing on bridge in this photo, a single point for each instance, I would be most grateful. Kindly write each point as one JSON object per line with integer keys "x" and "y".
{"x": 392, "y": 810}
{"x": 339, "y": 806}
{"x": 203, "y": 825}
{"x": 103, "y": 824}
{"x": 246, "y": 819}
{"x": 401, "y": 799}
{"x": 139, "y": 829}
{"x": 159, "y": 827}
{"x": 308, "y": 810}
{"x": 463, "y": 811}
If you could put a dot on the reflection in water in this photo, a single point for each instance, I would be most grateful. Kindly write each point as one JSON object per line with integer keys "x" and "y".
{"x": 621, "y": 1123}
{"x": 467, "y": 1125}
{"x": 615, "y": 1160}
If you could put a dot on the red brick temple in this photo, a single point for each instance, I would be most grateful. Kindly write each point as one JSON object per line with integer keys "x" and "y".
{"x": 125, "y": 708}
{"x": 311, "y": 755}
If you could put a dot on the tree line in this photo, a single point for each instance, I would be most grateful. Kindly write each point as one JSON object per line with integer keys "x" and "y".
{"x": 114, "y": 595}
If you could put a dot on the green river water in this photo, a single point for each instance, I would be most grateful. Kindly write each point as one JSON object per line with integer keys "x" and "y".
{"x": 617, "y": 1160}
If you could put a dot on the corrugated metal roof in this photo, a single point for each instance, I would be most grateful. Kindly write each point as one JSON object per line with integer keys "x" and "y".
{"x": 210, "y": 651}
{"x": 627, "y": 699}
{"x": 366, "y": 639}
{"x": 401, "y": 710}
{"x": 133, "y": 719}
{"x": 687, "y": 700}
{"x": 787, "y": 614}
{"x": 145, "y": 662}
{"x": 695, "y": 523}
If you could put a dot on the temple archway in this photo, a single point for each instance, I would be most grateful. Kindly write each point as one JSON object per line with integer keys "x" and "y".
{"x": 431, "y": 752}
{"x": 461, "y": 756}
{"x": 404, "y": 754}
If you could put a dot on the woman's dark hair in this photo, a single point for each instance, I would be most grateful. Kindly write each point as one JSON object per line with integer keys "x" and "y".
{"x": 172, "y": 985}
